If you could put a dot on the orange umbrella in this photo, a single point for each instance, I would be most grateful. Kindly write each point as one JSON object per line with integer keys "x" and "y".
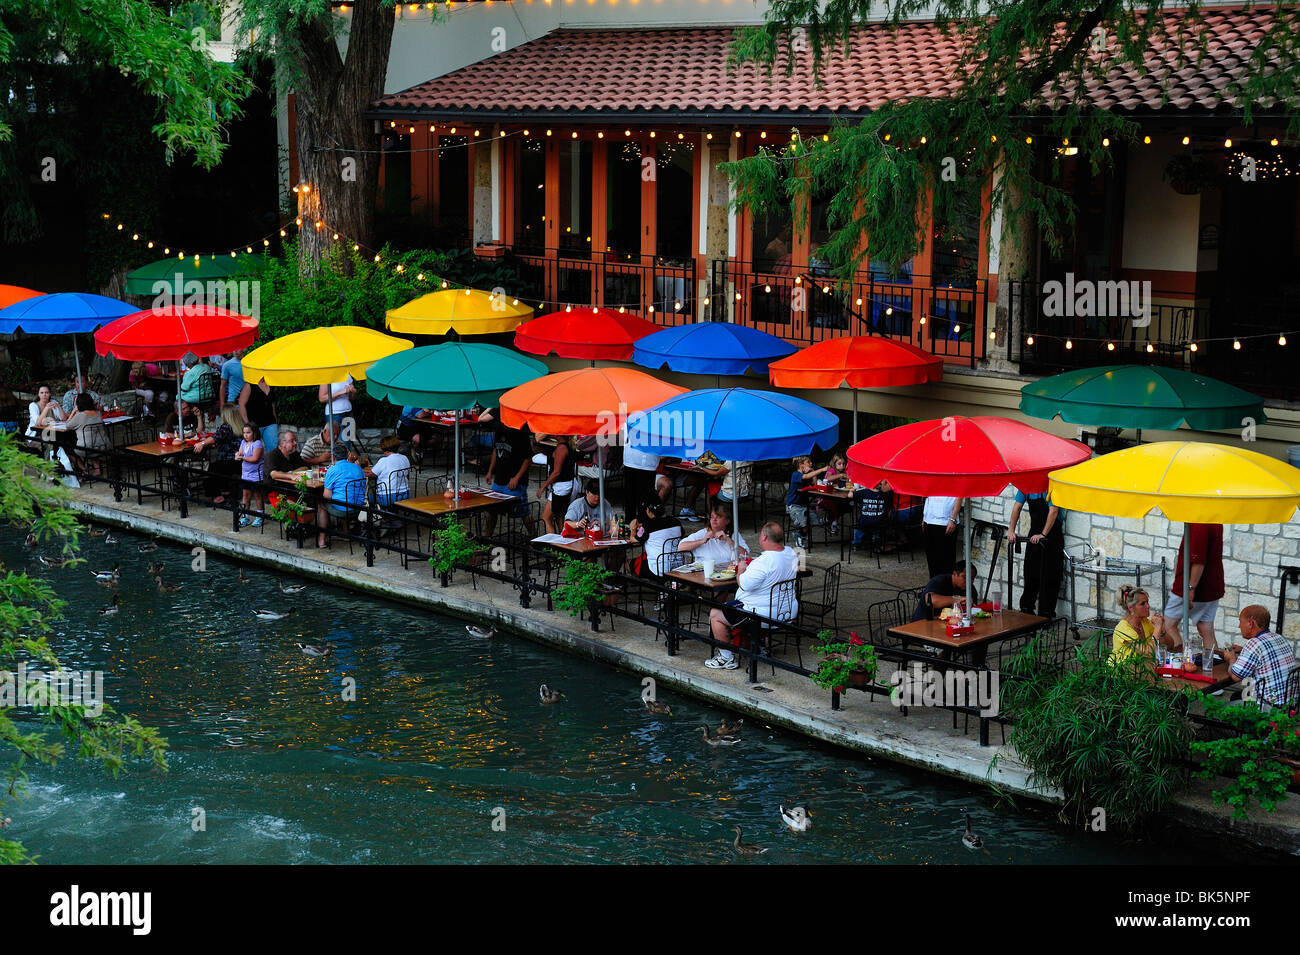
{"x": 587, "y": 401}
{"x": 14, "y": 293}
{"x": 861, "y": 361}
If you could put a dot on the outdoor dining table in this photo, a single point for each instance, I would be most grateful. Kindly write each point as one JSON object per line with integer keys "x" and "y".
{"x": 674, "y": 468}
{"x": 1222, "y": 677}
{"x": 164, "y": 455}
{"x": 987, "y": 630}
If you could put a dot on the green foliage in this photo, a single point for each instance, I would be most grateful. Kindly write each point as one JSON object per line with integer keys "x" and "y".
{"x": 582, "y": 587}
{"x": 1104, "y": 735}
{"x": 841, "y": 659}
{"x": 286, "y": 510}
{"x": 1187, "y": 172}
{"x": 28, "y": 607}
{"x": 451, "y": 546}
{"x": 1249, "y": 759}
{"x": 1020, "y": 74}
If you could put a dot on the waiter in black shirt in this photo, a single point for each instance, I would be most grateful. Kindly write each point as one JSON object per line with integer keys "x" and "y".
{"x": 507, "y": 471}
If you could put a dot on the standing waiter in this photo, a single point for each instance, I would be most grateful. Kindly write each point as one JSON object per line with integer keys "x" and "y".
{"x": 1044, "y": 553}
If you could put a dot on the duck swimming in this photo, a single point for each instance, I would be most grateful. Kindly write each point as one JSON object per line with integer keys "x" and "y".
{"x": 166, "y": 588}
{"x": 292, "y": 588}
{"x": 796, "y": 818}
{"x": 113, "y": 607}
{"x": 969, "y": 839}
{"x": 718, "y": 740}
{"x": 659, "y": 709}
{"x": 548, "y": 695}
{"x": 747, "y": 850}
{"x": 273, "y": 614}
{"x": 313, "y": 651}
{"x": 108, "y": 575}
{"x": 483, "y": 633}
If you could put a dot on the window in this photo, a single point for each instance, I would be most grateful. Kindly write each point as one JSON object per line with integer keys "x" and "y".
{"x": 397, "y": 174}
{"x": 453, "y": 184}
{"x": 530, "y": 197}
{"x": 623, "y": 200}
{"x": 575, "y": 199}
{"x": 674, "y": 201}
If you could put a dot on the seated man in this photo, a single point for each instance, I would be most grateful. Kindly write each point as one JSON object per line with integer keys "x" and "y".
{"x": 344, "y": 482}
{"x": 872, "y": 507}
{"x": 414, "y": 425}
{"x": 715, "y": 543}
{"x": 317, "y": 448}
{"x": 1266, "y": 658}
{"x": 943, "y": 590}
{"x": 775, "y": 564}
{"x": 587, "y": 510}
{"x": 70, "y": 396}
{"x": 190, "y": 417}
{"x": 284, "y": 457}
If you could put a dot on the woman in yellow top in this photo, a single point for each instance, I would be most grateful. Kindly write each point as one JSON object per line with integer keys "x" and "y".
{"x": 1134, "y": 638}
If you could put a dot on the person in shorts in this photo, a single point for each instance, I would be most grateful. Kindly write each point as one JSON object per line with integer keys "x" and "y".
{"x": 1206, "y": 585}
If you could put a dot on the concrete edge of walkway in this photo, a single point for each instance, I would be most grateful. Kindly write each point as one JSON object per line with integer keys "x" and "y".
{"x": 970, "y": 763}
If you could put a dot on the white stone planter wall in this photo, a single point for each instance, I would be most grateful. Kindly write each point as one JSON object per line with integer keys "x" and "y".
{"x": 1251, "y": 556}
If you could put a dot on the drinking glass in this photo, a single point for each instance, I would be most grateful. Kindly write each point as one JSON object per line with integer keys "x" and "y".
{"x": 997, "y": 603}
{"x": 708, "y": 568}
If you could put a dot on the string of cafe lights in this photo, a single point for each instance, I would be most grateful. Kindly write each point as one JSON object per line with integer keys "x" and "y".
{"x": 1192, "y": 344}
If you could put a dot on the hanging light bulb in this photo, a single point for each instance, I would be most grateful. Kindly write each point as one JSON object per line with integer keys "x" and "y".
{"x": 677, "y": 307}
{"x": 1029, "y": 340}
{"x": 1193, "y": 346}
{"x": 1227, "y": 144}
{"x": 993, "y": 336}
{"x": 1187, "y": 140}
{"x": 767, "y": 288}
{"x": 650, "y": 310}
{"x": 706, "y": 300}
{"x": 1236, "y": 345}
{"x": 1110, "y": 346}
{"x": 1106, "y": 142}
{"x": 1150, "y": 348}
{"x": 889, "y": 310}
{"x": 737, "y": 296}
{"x": 1272, "y": 142}
{"x": 1069, "y": 344}
{"x": 1146, "y": 140}
{"x": 858, "y": 302}
{"x": 1281, "y": 339}
{"x": 825, "y": 289}
{"x": 922, "y": 319}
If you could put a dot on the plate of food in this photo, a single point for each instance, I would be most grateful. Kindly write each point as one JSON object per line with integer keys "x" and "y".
{"x": 690, "y": 568}
{"x": 723, "y": 575}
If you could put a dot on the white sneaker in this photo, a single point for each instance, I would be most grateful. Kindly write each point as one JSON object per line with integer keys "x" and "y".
{"x": 717, "y": 663}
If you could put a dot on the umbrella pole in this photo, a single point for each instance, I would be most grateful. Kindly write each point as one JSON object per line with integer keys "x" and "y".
{"x": 180, "y": 422}
{"x": 600, "y": 472}
{"x": 1187, "y": 587}
{"x": 329, "y": 410}
{"x": 455, "y": 455}
{"x": 735, "y": 516}
{"x": 855, "y": 416}
{"x": 966, "y": 556}
{"x": 76, "y": 358}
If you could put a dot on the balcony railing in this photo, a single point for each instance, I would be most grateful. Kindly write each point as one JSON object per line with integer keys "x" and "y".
{"x": 806, "y": 307}
{"x": 1046, "y": 344}
{"x": 645, "y": 285}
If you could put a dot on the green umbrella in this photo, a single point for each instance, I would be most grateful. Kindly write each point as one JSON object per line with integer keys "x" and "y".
{"x": 1140, "y": 396}
{"x": 451, "y": 375}
{"x": 195, "y": 268}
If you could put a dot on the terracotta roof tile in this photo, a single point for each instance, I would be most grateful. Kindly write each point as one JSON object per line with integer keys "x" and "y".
{"x": 591, "y": 74}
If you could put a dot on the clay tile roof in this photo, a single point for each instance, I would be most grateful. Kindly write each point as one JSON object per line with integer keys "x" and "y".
{"x": 681, "y": 73}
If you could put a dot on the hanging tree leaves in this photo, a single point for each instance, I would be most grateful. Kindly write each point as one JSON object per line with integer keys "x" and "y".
{"x": 1021, "y": 77}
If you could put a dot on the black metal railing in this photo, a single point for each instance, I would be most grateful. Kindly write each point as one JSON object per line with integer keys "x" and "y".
{"x": 647, "y": 285}
{"x": 804, "y": 307}
{"x": 1044, "y": 344}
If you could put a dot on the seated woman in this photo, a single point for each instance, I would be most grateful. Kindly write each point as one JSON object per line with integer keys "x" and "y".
{"x": 43, "y": 412}
{"x": 223, "y": 469}
{"x": 391, "y": 472}
{"x": 88, "y": 426}
{"x": 715, "y": 542}
{"x": 1134, "y": 638}
{"x": 657, "y": 532}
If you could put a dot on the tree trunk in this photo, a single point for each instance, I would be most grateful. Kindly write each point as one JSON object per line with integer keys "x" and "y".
{"x": 337, "y": 148}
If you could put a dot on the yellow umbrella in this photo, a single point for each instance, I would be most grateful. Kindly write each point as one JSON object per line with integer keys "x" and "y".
{"x": 320, "y": 356}
{"x": 468, "y": 311}
{"x": 1188, "y": 481}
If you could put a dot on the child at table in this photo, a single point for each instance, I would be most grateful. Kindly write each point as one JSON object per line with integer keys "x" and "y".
{"x": 830, "y": 509}
{"x": 250, "y": 457}
{"x": 794, "y": 505}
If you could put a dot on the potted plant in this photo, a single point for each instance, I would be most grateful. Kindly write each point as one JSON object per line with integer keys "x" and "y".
{"x": 451, "y": 547}
{"x": 844, "y": 663}
{"x": 289, "y": 511}
{"x": 1189, "y": 174}
{"x": 1259, "y": 760}
{"x": 583, "y": 588}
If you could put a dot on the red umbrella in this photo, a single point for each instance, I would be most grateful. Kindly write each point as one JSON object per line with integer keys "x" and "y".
{"x": 861, "y": 361}
{"x": 585, "y": 332}
{"x": 963, "y": 457}
{"x": 168, "y": 334}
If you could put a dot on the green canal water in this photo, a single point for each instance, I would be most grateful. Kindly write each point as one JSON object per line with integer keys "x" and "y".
{"x": 445, "y": 737}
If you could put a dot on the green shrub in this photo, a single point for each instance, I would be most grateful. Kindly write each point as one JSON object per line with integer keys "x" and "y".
{"x": 1249, "y": 759}
{"x": 1105, "y": 736}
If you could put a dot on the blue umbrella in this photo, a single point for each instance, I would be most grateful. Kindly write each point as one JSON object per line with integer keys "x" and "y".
{"x": 736, "y": 424}
{"x": 63, "y": 313}
{"x": 719, "y": 348}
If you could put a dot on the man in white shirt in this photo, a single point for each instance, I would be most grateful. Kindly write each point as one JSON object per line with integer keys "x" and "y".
{"x": 714, "y": 543}
{"x": 776, "y": 564}
{"x": 939, "y": 532}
